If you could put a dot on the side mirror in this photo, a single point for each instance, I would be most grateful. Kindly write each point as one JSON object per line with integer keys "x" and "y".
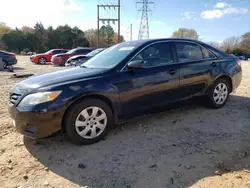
{"x": 136, "y": 64}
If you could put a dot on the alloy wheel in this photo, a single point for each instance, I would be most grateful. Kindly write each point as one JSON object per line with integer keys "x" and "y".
{"x": 220, "y": 93}
{"x": 42, "y": 61}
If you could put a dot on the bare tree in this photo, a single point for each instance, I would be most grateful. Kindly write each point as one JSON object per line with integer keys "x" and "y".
{"x": 186, "y": 33}
{"x": 231, "y": 43}
{"x": 245, "y": 43}
{"x": 214, "y": 44}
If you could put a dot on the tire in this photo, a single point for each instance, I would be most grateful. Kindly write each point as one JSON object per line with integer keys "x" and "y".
{"x": 219, "y": 93}
{"x": 42, "y": 61}
{"x": 5, "y": 64}
{"x": 79, "y": 119}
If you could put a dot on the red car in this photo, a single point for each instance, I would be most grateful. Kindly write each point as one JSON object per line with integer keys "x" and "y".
{"x": 46, "y": 57}
{"x": 60, "y": 59}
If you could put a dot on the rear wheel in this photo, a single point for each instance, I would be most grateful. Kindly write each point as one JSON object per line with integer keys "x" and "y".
{"x": 5, "y": 64}
{"x": 42, "y": 61}
{"x": 88, "y": 121}
{"x": 219, "y": 93}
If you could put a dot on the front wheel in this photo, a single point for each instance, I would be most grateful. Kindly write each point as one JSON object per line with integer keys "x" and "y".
{"x": 42, "y": 61}
{"x": 88, "y": 121}
{"x": 219, "y": 93}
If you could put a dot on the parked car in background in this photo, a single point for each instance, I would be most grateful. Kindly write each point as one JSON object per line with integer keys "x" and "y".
{"x": 128, "y": 79}
{"x": 61, "y": 59}
{"x": 242, "y": 58}
{"x": 8, "y": 58}
{"x": 80, "y": 59}
{"x": 46, "y": 57}
{"x": 31, "y": 53}
{"x": 233, "y": 55}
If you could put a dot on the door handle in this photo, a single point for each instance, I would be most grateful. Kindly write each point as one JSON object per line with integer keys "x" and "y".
{"x": 172, "y": 71}
{"x": 214, "y": 64}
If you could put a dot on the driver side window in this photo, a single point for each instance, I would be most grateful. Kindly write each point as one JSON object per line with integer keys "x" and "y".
{"x": 156, "y": 55}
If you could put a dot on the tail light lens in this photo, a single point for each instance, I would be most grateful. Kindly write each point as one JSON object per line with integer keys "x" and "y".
{"x": 12, "y": 56}
{"x": 238, "y": 62}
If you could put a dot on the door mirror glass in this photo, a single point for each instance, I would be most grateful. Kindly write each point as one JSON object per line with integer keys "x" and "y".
{"x": 136, "y": 64}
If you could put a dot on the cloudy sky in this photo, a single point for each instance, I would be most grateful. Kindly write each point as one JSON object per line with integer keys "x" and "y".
{"x": 214, "y": 20}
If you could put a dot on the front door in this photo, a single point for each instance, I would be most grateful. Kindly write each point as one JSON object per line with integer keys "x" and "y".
{"x": 153, "y": 85}
{"x": 196, "y": 65}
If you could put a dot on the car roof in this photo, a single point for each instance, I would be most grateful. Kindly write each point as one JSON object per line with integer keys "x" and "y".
{"x": 144, "y": 41}
{"x": 138, "y": 43}
{"x": 85, "y": 48}
{"x": 59, "y": 49}
{"x": 5, "y": 52}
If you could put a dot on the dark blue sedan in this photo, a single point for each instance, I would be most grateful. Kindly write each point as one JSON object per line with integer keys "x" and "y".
{"x": 127, "y": 79}
{"x": 8, "y": 58}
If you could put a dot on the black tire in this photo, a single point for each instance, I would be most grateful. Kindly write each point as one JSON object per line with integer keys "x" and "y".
{"x": 42, "y": 61}
{"x": 5, "y": 64}
{"x": 211, "y": 101}
{"x": 75, "y": 110}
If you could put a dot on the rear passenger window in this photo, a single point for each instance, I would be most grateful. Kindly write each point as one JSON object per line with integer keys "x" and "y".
{"x": 188, "y": 52}
{"x": 207, "y": 54}
{"x": 83, "y": 51}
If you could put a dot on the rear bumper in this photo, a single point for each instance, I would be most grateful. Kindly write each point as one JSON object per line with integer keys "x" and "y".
{"x": 12, "y": 62}
{"x": 236, "y": 80}
{"x": 36, "y": 124}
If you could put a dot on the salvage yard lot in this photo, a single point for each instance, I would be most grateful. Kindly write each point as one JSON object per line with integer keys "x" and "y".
{"x": 181, "y": 147}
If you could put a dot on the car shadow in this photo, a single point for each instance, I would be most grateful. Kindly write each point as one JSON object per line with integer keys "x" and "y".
{"x": 177, "y": 147}
{"x": 19, "y": 68}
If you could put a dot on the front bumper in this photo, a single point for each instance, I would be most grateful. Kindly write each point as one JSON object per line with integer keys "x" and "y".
{"x": 37, "y": 124}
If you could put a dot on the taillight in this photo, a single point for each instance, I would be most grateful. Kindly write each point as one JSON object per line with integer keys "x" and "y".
{"x": 238, "y": 62}
{"x": 12, "y": 56}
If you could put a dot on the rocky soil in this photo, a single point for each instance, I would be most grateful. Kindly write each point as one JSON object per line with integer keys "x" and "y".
{"x": 185, "y": 146}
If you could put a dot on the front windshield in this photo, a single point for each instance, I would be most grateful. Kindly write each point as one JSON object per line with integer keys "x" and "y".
{"x": 71, "y": 51}
{"x": 48, "y": 52}
{"x": 93, "y": 53}
{"x": 110, "y": 57}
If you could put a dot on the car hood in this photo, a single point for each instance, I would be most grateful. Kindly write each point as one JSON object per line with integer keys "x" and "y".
{"x": 55, "y": 78}
{"x": 35, "y": 55}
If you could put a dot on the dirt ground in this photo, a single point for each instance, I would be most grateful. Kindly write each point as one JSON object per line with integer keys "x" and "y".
{"x": 188, "y": 146}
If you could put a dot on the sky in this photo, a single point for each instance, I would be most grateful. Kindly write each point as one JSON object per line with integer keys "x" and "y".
{"x": 214, "y": 20}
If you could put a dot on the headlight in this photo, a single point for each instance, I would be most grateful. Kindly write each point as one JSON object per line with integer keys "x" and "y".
{"x": 38, "y": 98}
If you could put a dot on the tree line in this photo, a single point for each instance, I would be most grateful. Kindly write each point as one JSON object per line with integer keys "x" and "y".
{"x": 238, "y": 46}
{"x": 40, "y": 39}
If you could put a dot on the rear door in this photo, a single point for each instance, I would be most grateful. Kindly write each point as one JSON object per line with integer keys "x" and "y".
{"x": 196, "y": 65}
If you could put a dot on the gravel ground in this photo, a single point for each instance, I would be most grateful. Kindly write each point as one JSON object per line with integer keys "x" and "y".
{"x": 187, "y": 146}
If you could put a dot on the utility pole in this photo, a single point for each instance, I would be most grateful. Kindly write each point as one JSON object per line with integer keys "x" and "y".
{"x": 144, "y": 28}
{"x": 131, "y": 32}
{"x": 111, "y": 10}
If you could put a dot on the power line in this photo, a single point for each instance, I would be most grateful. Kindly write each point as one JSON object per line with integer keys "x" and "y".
{"x": 109, "y": 17}
{"x": 144, "y": 28}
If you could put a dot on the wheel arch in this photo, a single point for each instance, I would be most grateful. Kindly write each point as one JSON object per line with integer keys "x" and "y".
{"x": 228, "y": 78}
{"x": 105, "y": 99}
